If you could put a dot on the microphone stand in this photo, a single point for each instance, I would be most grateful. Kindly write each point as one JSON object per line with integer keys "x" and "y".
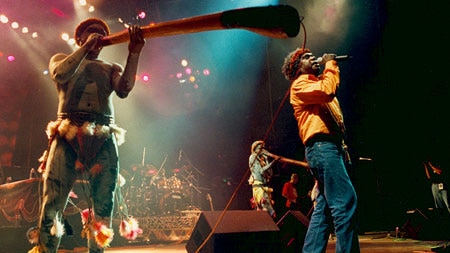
{"x": 191, "y": 184}
{"x": 189, "y": 162}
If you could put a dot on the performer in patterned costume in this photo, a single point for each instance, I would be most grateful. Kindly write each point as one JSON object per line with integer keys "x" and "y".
{"x": 83, "y": 140}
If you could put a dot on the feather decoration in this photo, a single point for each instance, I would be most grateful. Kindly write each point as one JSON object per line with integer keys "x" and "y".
{"x": 130, "y": 229}
{"x": 103, "y": 235}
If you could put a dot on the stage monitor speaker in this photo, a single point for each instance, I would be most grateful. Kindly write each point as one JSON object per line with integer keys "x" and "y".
{"x": 239, "y": 231}
{"x": 293, "y": 226}
{"x": 428, "y": 225}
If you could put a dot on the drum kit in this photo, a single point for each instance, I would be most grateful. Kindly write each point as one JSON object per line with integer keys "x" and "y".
{"x": 151, "y": 192}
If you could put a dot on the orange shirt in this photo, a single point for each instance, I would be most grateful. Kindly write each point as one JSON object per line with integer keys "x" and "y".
{"x": 309, "y": 97}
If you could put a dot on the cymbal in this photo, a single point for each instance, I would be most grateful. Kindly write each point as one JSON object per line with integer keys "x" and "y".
{"x": 151, "y": 172}
{"x": 177, "y": 170}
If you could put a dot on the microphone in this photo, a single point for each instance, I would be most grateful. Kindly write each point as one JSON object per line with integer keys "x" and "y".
{"x": 179, "y": 156}
{"x": 342, "y": 57}
{"x": 336, "y": 58}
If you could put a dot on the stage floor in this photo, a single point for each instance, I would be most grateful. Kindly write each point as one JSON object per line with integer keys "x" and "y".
{"x": 368, "y": 243}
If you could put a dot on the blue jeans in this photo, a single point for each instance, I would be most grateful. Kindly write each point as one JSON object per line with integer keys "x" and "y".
{"x": 336, "y": 203}
{"x": 440, "y": 197}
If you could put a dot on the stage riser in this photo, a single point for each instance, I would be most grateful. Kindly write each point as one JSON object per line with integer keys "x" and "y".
{"x": 167, "y": 228}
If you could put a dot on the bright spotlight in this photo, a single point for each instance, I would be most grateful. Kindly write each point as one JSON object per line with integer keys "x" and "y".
{"x": 34, "y": 35}
{"x": 91, "y": 8}
{"x": 4, "y": 19}
{"x": 82, "y": 2}
{"x": 184, "y": 63}
{"x": 145, "y": 77}
{"x": 192, "y": 79}
{"x": 65, "y": 36}
{"x": 188, "y": 71}
{"x": 142, "y": 15}
{"x": 179, "y": 75}
{"x": 206, "y": 72}
{"x": 11, "y": 58}
{"x": 24, "y": 29}
{"x": 15, "y": 25}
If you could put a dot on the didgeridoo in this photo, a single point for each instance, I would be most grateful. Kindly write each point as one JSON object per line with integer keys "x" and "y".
{"x": 287, "y": 160}
{"x": 279, "y": 21}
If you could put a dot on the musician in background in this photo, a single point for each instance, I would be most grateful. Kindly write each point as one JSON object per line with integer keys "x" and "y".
{"x": 261, "y": 172}
{"x": 321, "y": 129}
{"x": 83, "y": 140}
{"x": 439, "y": 185}
{"x": 289, "y": 192}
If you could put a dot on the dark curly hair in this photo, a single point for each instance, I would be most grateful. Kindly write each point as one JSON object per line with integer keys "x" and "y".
{"x": 86, "y": 23}
{"x": 291, "y": 64}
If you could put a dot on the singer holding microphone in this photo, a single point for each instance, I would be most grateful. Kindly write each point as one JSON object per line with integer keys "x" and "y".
{"x": 321, "y": 129}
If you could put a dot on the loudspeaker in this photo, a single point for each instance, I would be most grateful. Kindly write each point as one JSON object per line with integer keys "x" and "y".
{"x": 293, "y": 227}
{"x": 428, "y": 225}
{"x": 238, "y": 231}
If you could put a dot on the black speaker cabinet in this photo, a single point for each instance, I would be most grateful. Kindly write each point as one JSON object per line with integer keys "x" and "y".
{"x": 293, "y": 226}
{"x": 428, "y": 225}
{"x": 239, "y": 231}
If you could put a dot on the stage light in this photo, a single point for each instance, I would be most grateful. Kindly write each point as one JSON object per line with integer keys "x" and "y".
{"x": 206, "y": 72}
{"x": 192, "y": 79}
{"x": 4, "y": 19}
{"x": 58, "y": 12}
{"x": 142, "y": 15}
{"x": 179, "y": 75}
{"x": 11, "y": 58}
{"x": 82, "y": 2}
{"x": 91, "y": 8}
{"x": 34, "y": 35}
{"x": 184, "y": 63}
{"x": 145, "y": 77}
{"x": 15, "y": 25}
{"x": 24, "y": 29}
{"x": 188, "y": 71}
{"x": 65, "y": 36}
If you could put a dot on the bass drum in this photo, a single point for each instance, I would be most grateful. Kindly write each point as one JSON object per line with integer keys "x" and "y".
{"x": 173, "y": 203}
{"x": 140, "y": 197}
{"x": 174, "y": 184}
